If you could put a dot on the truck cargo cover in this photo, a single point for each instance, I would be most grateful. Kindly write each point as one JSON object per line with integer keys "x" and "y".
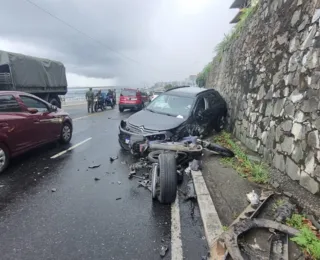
{"x": 27, "y": 71}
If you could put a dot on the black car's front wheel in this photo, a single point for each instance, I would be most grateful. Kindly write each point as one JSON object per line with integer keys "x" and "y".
{"x": 221, "y": 123}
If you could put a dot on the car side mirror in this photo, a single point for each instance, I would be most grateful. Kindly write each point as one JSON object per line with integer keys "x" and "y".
{"x": 33, "y": 110}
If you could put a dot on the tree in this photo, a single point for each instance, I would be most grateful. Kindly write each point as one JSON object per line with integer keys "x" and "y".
{"x": 168, "y": 86}
{"x": 203, "y": 76}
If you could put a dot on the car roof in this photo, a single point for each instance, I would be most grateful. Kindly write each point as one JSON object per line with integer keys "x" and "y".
{"x": 187, "y": 91}
{"x": 10, "y": 92}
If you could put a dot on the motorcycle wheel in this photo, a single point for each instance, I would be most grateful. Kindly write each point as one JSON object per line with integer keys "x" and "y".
{"x": 96, "y": 107}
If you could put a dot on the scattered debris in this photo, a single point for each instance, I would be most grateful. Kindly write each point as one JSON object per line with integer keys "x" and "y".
{"x": 265, "y": 194}
{"x": 46, "y": 168}
{"x": 139, "y": 165}
{"x": 94, "y": 166}
{"x": 53, "y": 189}
{"x": 113, "y": 158}
{"x": 314, "y": 222}
{"x": 204, "y": 257}
{"x": 1, "y": 186}
{"x": 288, "y": 194}
{"x": 195, "y": 165}
{"x": 230, "y": 237}
{"x": 187, "y": 171}
{"x": 275, "y": 184}
{"x": 190, "y": 191}
{"x": 253, "y": 198}
{"x": 163, "y": 251}
{"x": 138, "y": 177}
{"x": 145, "y": 183}
{"x": 118, "y": 198}
{"x": 124, "y": 162}
{"x": 283, "y": 212}
{"x": 97, "y": 179}
{"x": 119, "y": 182}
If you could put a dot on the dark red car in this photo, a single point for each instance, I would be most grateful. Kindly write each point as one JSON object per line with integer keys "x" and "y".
{"x": 132, "y": 99}
{"x": 26, "y": 122}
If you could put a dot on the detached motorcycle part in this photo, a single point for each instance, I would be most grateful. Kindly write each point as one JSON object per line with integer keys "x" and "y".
{"x": 154, "y": 156}
{"x": 154, "y": 180}
{"x": 175, "y": 146}
{"x": 220, "y": 150}
{"x": 168, "y": 178}
{"x": 211, "y": 147}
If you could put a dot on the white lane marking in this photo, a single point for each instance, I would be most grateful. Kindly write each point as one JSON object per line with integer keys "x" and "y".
{"x": 72, "y": 105}
{"x": 176, "y": 243}
{"x": 75, "y": 119}
{"x": 209, "y": 215}
{"x": 71, "y": 148}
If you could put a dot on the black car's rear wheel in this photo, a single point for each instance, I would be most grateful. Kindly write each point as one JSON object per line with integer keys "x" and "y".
{"x": 4, "y": 157}
{"x": 121, "y": 109}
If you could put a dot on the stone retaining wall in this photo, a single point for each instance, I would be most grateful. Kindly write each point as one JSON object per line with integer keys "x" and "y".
{"x": 270, "y": 78}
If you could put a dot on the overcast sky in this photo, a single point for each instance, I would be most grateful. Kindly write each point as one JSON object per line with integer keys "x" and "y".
{"x": 127, "y": 42}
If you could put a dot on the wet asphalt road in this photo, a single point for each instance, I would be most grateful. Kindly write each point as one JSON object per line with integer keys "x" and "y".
{"x": 86, "y": 219}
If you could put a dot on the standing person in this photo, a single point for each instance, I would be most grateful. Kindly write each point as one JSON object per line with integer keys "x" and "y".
{"x": 90, "y": 100}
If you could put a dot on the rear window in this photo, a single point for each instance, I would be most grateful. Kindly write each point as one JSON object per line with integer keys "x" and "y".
{"x": 8, "y": 103}
{"x": 128, "y": 92}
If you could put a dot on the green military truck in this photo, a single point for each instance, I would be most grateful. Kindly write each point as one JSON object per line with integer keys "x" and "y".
{"x": 41, "y": 77}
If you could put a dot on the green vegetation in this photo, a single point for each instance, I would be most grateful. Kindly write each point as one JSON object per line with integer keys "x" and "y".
{"x": 236, "y": 30}
{"x": 168, "y": 86}
{"x": 307, "y": 239}
{"x": 277, "y": 204}
{"x": 225, "y": 228}
{"x": 256, "y": 172}
{"x": 203, "y": 75}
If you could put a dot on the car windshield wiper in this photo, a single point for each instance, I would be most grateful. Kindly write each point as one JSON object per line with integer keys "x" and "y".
{"x": 159, "y": 112}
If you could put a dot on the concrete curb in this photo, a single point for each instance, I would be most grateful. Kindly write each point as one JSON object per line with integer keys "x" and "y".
{"x": 211, "y": 221}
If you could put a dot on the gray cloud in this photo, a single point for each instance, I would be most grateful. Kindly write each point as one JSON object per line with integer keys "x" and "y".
{"x": 163, "y": 44}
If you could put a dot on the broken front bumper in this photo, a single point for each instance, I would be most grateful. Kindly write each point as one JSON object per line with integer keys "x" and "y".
{"x": 128, "y": 132}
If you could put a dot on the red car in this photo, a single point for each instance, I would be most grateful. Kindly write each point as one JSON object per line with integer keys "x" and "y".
{"x": 132, "y": 99}
{"x": 26, "y": 122}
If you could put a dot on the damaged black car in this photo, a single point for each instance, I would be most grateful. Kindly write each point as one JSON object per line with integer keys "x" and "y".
{"x": 176, "y": 113}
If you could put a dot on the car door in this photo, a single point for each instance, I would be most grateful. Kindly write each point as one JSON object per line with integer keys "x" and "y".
{"x": 200, "y": 116}
{"x": 48, "y": 123}
{"x": 17, "y": 128}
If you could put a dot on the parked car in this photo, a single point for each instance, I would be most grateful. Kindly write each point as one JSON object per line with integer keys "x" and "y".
{"x": 27, "y": 122}
{"x": 177, "y": 113}
{"x": 155, "y": 94}
{"x": 132, "y": 99}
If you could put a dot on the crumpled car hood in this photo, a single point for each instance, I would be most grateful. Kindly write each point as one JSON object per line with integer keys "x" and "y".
{"x": 154, "y": 121}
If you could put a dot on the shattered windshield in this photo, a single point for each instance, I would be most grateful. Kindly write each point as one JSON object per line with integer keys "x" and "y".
{"x": 171, "y": 105}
